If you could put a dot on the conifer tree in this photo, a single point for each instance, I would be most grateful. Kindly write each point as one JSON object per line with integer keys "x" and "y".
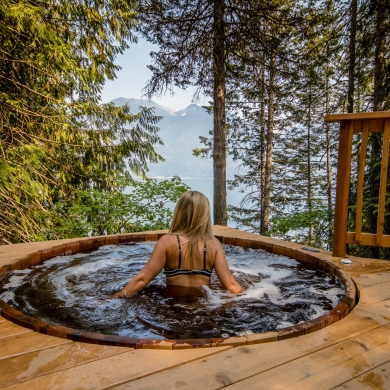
{"x": 54, "y": 135}
{"x": 199, "y": 43}
{"x": 191, "y": 38}
{"x": 257, "y": 102}
{"x": 301, "y": 197}
{"x": 352, "y": 56}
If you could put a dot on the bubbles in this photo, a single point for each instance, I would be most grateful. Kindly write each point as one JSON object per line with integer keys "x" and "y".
{"x": 246, "y": 332}
{"x": 14, "y": 281}
{"x": 74, "y": 290}
{"x": 7, "y": 296}
{"x": 22, "y": 271}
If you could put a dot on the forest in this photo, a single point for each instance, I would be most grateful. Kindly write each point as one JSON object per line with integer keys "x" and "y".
{"x": 272, "y": 70}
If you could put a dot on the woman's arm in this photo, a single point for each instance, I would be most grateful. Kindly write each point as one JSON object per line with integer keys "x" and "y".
{"x": 223, "y": 272}
{"x": 152, "y": 268}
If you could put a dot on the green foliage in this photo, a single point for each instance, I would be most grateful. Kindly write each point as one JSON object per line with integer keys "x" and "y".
{"x": 294, "y": 141}
{"x": 292, "y": 226}
{"x": 146, "y": 205}
{"x": 54, "y": 135}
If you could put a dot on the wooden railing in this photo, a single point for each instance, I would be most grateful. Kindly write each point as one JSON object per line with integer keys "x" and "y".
{"x": 364, "y": 123}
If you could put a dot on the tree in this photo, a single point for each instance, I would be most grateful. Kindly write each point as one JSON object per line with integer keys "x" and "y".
{"x": 199, "y": 42}
{"x": 352, "y": 56}
{"x": 373, "y": 94}
{"x": 192, "y": 39}
{"x": 219, "y": 95}
{"x": 54, "y": 135}
{"x": 301, "y": 160}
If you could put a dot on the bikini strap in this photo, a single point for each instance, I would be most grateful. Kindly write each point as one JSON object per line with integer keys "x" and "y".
{"x": 178, "y": 240}
{"x": 204, "y": 256}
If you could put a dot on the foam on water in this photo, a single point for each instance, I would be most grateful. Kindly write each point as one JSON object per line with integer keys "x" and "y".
{"x": 14, "y": 281}
{"x": 7, "y": 296}
{"x": 22, "y": 271}
{"x": 73, "y": 291}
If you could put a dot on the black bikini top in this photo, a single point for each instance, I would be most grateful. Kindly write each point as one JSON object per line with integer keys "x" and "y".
{"x": 178, "y": 271}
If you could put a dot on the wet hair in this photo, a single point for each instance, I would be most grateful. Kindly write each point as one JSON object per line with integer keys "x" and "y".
{"x": 192, "y": 220}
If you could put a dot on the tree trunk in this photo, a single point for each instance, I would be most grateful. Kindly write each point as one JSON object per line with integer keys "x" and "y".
{"x": 219, "y": 149}
{"x": 379, "y": 90}
{"x": 375, "y": 138}
{"x": 309, "y": 189}
{"x": 380, "y": 43}
{"x": 352, "y": 50}
{"x": 262, "y": 150}
{"x": 270, "y": 133}
{"x": 351, "y": 73}
{"x": 328, "y": 146}
{"x": 328, "y": 169}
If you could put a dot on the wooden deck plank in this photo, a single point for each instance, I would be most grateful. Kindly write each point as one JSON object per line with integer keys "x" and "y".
{"x": 27, "y": 342}
{"x": 377, "y": 378}
{"x": 244, "y": 362}
{"x": 8, "y": 329}
{"x": 368, "y": 280}
{"x": 362, "y": 266}
{"x": 220, "y": 370}
{"x": 380, "y": 308}
{"x": 34, "y": 364}
{"x": 374, "y": 294}
{"x": 114, "y": 370}
{"x": 356, "y": 323}
{"x": 327, "y": 368}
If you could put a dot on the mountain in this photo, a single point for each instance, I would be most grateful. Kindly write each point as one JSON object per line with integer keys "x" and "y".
{"x": 159, "y": 110}
{"x": 180, "y": 133}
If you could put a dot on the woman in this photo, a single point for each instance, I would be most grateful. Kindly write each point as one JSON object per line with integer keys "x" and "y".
{"x": 189, "y": 253}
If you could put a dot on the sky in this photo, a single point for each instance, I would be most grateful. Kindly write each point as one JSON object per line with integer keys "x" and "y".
{"x": 133, "y": 76}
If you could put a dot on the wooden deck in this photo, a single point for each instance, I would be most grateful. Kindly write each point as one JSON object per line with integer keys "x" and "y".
{"x": 353, "y": 353}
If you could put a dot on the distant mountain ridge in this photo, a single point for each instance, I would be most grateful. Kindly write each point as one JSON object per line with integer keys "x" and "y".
{"x": 144, "y": 103}
{"x": 180, "y": 131}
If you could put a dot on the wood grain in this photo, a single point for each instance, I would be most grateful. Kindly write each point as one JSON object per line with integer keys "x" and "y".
{"x": 8, "y": 329}
{"x": 38, "y": 363}
{"x": 27, "y": 342}
{"x": 333, "y": 118}
{"x": 383, "y": 183}
{"x": 113, "y": 370}
{"x": 368, "y": 239}
{"x": 234, "y": 366}
{"x": 342, "y": 188}
{"x": 359, "y": 194}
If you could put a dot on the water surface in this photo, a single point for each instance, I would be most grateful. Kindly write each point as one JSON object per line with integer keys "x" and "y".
{"x": 73, "y": 290}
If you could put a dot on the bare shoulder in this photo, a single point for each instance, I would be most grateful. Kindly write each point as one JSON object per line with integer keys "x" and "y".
{"x": 217, "y": 243}
{"x": 217, "y": 246}
{"x": 167, "y": 240}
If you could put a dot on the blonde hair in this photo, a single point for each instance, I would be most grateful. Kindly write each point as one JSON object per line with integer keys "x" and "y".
{"x": 191, "y": 219}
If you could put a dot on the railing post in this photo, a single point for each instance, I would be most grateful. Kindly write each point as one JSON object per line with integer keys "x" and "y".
{"x": 365, "y": 123}
{"x": 383, "y": 184}
{"x": 342, "y": 188}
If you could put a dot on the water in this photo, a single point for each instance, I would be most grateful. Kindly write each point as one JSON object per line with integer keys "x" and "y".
{"x": 73, "y": 290}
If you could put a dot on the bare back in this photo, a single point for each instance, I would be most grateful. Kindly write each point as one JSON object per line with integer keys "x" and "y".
{"x": 165, "y": 256}
{"x": 180, "y": 261}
